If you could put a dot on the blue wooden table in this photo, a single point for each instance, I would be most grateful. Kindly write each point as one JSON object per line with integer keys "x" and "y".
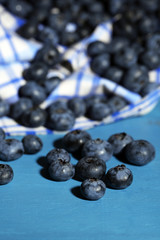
{"x": 34, "y": 207}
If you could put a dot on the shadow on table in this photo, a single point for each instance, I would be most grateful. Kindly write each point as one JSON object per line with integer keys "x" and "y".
{"x": 77, "y": 193}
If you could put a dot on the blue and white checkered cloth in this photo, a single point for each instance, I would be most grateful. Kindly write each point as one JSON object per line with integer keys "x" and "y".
{"x": 15, "y": 53}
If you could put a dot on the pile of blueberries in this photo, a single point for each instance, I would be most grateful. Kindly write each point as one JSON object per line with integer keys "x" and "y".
{"x": 126, "y": 60}
{"x": 92, "y": 157}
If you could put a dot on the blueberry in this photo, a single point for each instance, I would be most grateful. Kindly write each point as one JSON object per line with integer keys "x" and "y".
{"x": 147, "y": 25}
{"x": 96, "y": 48}
{"x": 48, "y": 35}
{"x": 125, "y": 58}
{"x": 61, "y": 119}
{"x": 119, "y": 177}
{"x": 19, "y": 107}
{"x": 61, "y": 170}
{"x": 116, "y": 103}
{"x": 136, "y": 78}
{"x": 149, "y": 5}
{"x": 119, "y": 141}
{"x": 117, "y": 44}
{"x": 134, "y": 14}
{"x": 115, "y": 6}
{"x": 100, "y": 63}
{"x": 61, "y": 103}
{"x": 11, "y": 149}
{"x": 124, "y": 28}
{"x": 69, "y": 38}
{"x": 74, "y": 140}
{"x": 58, "y": 21}
{"x": 93, "y": 99}
{"x": 148, "y": 88}
{"x": 90, "y": 167}
{"x": 34, "y": 117}
{"x": 93, "y": 189}
{"x": 28, "y": 30}
{"x": 58, "y": 154}
{"x": 48, "y": 54}
{"x": 33, "y": 91}
{"x": 6, "y": 174}
{"x": 153, "y": 42}
{"x": 150, "y": 58}
{"x": 2, "y": 134}
{"x": 4, "y": 108}
{"x": 32, "y": 144}
{"x": 36, "y": 72}
{"x": 139, "y": 152}
{"x": 51, "y": 83}
{"x": 114, "y": 73}
{"x": 98, "y": 111}
{"x": 97, "y": 148}
{"x": 77, "y": 106}
{"x": 20, "y": 8}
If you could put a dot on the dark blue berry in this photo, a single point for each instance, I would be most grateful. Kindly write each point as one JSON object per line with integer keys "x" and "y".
{"x": 33, "y": 91}
{"x": 58, "y": 154}
{"x": 125, "y": 58}
{"x": 19, "y": 107}
{"x": 2, "y": 134}
{"x": 93, "y": 99}
{"x": 34, "y": 117}
{"x": 117, "y": 44}
{"x": 58, "y": 21}
{"x": 100, "y": 63}
{"x": 69, "y": 38}
{"x": 61, "y": 119}
{"x": 11, "y": 149}
{"x": 148, "y": 88}
{"x": 116, "y": 103}
{"x": 61, "y": 103}
{"x": 32, "y": 144}
{"x": 114, "y": 73}
{"x": 96, "y": 48}
{"x": 77, "y": 106}
{"x": 48, "y": 54}
{"x": 90, "y": 167}
{"x": 136, "y": 78}
{"x": 150, "y": 58}
{"x": 36, "y": 72}
{"x": 153, "y": 42}
{"x": 119, "y": 177}
{"x": 97, "y": 148}
{"x": 29, "y": 29}
{"x": 74, "y": 140}
{"x": 4, "y": 108}
{"x": 139, "y": 152}
{"x": 6, "y": 174}
{"x": 148, "y": 24}
{"x": 98, "y": 111}
{"x": 93, "y": 189}
{"x": 51, "y": 83}
{"x": 20, "y": 8}
{"x": 119, "y": 141}
{"x": 48, "y": 35}
{"x": 60, "y": 170}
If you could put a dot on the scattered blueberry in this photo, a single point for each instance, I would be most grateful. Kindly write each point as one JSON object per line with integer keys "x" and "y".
{"x": 34, "y": 117}
{"x": 33, "y": 91}
{"x": 11, "y": 149}
{"x": 61, "y": 119}
{"x": 93, "y": 189}
{"x": 2, "y": 134}
{"x": 90, "y": 167}
{"x": 51, "y": 83}
{"x": 32, "y": 144}
{"x": 77, "y": 106}
{"x": 100, "y": 63}
{"x": 4, "y": 108}
{"x": 97, "y": 148}
{"x": 119, "y": 141}
{"x": 74, "y": 140}
{"x": 119, "y": 177}
{"x": 58, "y": 154}
{"x": 19, "y": 107}
{"x": 139, "y": 152}
{"x": 60, "y": 170}
{"x": 6, "y": 174}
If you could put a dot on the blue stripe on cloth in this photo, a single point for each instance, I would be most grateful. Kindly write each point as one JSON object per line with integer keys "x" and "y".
{"x": 158, "y": 75}
{"x": 78, "y": 82}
